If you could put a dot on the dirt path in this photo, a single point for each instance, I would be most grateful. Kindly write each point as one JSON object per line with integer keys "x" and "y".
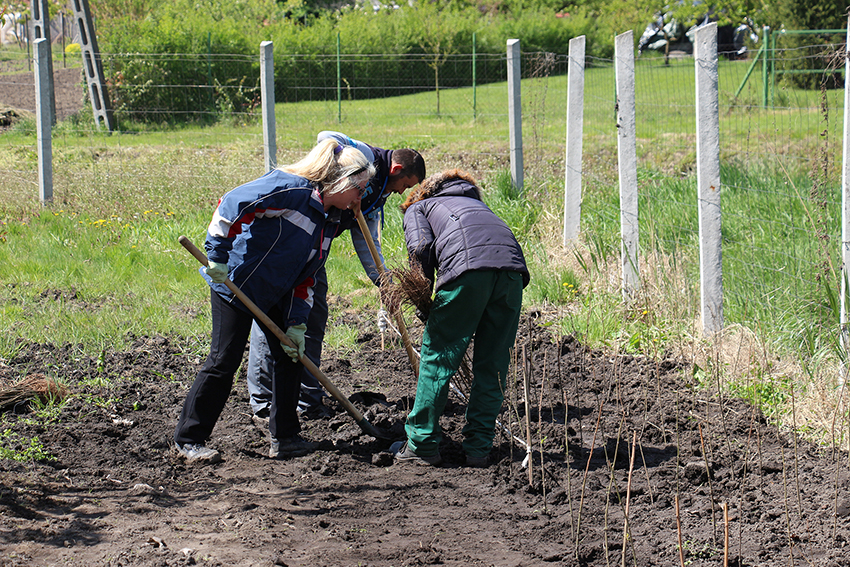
{"x": 116, "y": 495}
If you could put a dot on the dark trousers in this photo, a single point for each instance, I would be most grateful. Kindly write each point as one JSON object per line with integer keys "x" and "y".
{"x": 208, "y": 394}
{"x": 260, "y": 360}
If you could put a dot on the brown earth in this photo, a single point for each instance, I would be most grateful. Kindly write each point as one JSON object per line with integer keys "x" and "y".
{"x": 17, "y": 93}
{"x": 115, "y": 495}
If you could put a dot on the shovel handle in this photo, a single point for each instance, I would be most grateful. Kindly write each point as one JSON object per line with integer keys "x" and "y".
{"x": 399, "y": 318}
{"x": 265, "y": 320}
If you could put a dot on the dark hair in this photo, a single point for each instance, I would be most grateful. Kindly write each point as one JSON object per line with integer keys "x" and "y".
{"x": 427, "y": 187}
{"x": 411, "y": 163}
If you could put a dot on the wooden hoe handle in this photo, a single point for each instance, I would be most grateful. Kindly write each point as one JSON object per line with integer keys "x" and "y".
{"x": 405, "y": 337}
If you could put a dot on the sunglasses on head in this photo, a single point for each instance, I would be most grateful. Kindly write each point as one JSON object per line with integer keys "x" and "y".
{"x": 361, "y": 189}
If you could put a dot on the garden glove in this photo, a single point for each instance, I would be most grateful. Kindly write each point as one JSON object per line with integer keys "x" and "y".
{"x": 296, "y": 335}
{"x": 217, "y": 272}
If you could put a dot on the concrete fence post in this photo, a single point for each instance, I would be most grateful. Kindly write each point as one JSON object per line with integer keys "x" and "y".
{"x": 515, "y": 112}
{"x": 624, "y": 70}
{"x": 708, "y": 178}
{"x": 41, "y": 29}
{"x": 575, "y": 131}
{"x": 845, "y": 211}
{"x": 44, "y": 120}
{"x": 267, "y": 95}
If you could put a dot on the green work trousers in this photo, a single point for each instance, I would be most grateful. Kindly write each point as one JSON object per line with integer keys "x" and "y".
{"x": 483, "y": 304}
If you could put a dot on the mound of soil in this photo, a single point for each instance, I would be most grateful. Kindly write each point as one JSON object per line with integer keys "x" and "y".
{"x": 631, "y": 463}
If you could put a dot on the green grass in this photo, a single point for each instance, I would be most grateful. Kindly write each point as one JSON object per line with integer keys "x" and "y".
{"x": 102, "y": 263}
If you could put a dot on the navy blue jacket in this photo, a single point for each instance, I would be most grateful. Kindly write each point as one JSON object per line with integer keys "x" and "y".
{"x": 274, "y": 235}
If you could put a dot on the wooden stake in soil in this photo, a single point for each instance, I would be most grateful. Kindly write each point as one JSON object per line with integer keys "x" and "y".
{"x": 528, "y": 445}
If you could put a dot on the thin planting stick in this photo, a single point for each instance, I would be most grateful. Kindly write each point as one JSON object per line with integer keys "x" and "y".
{"x": 679, "y": 533}
{"x": 540, "y": 434}
{"x": 725, "y": 534}
{"x": 367, "y": 427}
{"x": 710, "y": 485}
{"x": 586, "y": 473}
{"x": 527, "y": 399}
{"x": 626, "y": 529}
{"x": 567, "y": 463}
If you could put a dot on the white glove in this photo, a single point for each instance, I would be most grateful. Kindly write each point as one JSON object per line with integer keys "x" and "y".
{"x": 383, "y": 318}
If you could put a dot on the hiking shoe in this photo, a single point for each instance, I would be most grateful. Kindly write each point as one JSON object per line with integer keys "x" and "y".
{"x": 261, "y": 419}
{"x": 478, "y": 462}
{"x": 197, "y": 453}
{"x": 404, "y": 454}
{"x": 295, "y": 446}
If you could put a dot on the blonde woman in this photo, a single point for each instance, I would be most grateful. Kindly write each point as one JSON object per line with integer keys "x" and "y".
{"x": 269, "y": 236}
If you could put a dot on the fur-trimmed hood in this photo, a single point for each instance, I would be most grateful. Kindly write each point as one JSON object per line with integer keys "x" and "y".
{"x": 455, "y": 182}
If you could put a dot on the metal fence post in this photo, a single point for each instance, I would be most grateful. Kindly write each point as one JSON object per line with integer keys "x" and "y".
{"x": 267, "y": 94}
{"x": 708, "y": 178}
{"x": 515, "y": 112}
{"x": 338, "y": 79}
{"x": 93, "y": 66}
{"x": 575, "y": 131}
{"x": 474, "y": 83}
{"x": 44, "y": 124}
{"x": 624, "y": 70}
{"x": 765, "y": 66}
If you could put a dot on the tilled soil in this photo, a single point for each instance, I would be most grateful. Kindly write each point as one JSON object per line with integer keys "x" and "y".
{"x": 689, "y": 470}
{"x": 17, "y": 93}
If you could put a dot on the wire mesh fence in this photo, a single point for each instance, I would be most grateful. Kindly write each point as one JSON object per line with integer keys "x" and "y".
{"x": 780, "y": 160}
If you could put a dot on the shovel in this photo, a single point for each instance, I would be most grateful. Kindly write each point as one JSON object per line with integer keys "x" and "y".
{"x": 361, "y": 421}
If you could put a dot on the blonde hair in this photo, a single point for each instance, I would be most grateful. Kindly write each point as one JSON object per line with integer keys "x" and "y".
{"x": 330, "y": 165}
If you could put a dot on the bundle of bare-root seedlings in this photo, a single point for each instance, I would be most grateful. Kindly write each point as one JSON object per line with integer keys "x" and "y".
{"x": 33, "y": 387}
{"x": 407, "y": 288}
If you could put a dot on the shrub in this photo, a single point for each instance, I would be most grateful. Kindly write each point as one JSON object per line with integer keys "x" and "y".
{"x": 425, "y": 46}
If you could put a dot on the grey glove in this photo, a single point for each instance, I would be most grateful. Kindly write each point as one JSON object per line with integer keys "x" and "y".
{"x": 217, "y": 272}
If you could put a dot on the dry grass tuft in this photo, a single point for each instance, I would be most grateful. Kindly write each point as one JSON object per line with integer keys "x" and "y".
{"x": 34, "y": 386}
